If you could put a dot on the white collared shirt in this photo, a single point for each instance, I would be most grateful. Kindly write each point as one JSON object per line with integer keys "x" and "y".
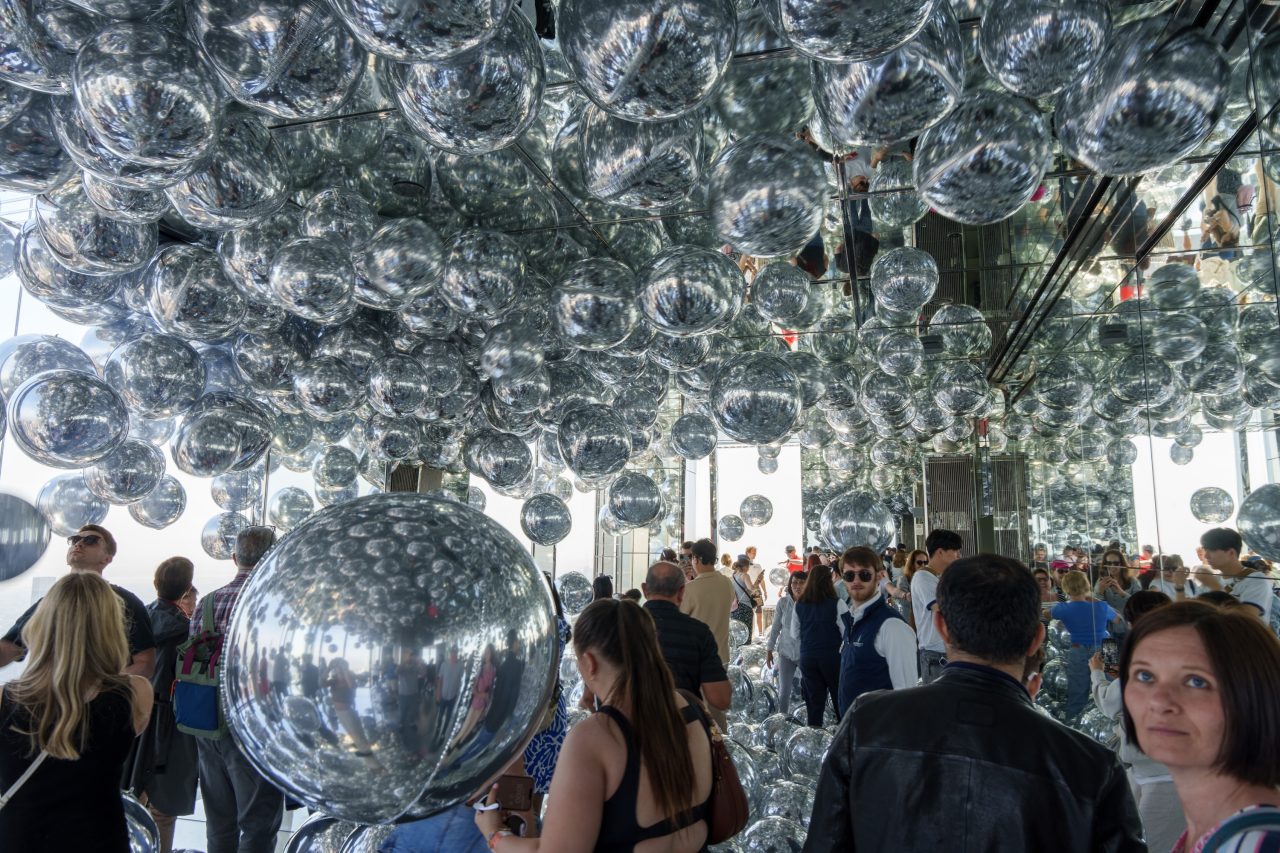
{"x": 924, "y": 593}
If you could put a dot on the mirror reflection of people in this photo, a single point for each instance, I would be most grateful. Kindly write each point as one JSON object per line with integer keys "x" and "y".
{"x": 74, "y": 703}
{"x": 1199, "y": 685}
{"x": 784, "y": 641}
{"x": 639, "y": 769}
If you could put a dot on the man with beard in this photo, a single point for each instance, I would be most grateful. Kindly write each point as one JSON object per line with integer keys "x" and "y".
{"x": 879, "y": 651}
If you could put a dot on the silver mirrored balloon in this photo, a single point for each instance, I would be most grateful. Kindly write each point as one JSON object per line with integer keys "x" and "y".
{"x": 1037, "y": 48}
{"x": 766, "y": 195}
{"x": 67, "y": 419}
{"x": 634, "y": 499}
{"x": 594, "y": 441}
{"x": 847, "y": 30}
{"x": 755, "y": 398}
{"x": 480, "y": 100}
{"x": 218, "y": 538}
{"x": 1212, "y": 505}
{"x": 904, "y": 279}
{"x": 756, "y": 510}
{"x": 640, "y": 165}
{"x": 289, "y": 507}
{"x": 594, "y": 305}
{"x": 24, "y": 536}
{"x": 84, "y": 239}
{"x": 410, "y": 32}
{"x": 857, "y": 518}
{"x": 68, "y": 504}
{"x": 575, "y": 592}
{"x": 236, "y": 490}
{"x": 687, "y": 290}
{"x": 693, "y": 436}
{"x": 730, "y": 528}
{"x": 312, "y": 277}
{"x": 1154, "y": 96}
{"x": 897, "y": 96}
{"x": 404, "y": 566}
{"x": 545, "y": 519}
{"x": 1259, "y": 521}
{"x": 645, "y": 62}
{"x": 189, "y": 295}
{"x": 985, "y": 160}
{"x": 129, "y": 473}
{"x": 484, "y": 270}
{"x": 894, "y": 201}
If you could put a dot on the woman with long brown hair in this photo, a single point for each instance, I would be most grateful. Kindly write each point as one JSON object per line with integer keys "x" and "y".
{"x": 640, "y": 768}
{"x": 75, "y": 712}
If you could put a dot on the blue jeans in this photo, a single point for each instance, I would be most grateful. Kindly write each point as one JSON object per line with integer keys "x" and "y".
{"x": 1078, "y": 679}
{"x": 452, "y": 831}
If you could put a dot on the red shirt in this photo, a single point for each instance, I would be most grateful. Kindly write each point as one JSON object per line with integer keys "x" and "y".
{"x": 794, "y": 564}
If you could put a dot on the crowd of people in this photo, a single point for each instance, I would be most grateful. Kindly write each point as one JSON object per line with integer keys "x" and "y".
{"x": 925, "y": 663}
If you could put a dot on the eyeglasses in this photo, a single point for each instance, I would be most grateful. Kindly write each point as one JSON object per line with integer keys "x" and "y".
{"x": 89, "y": 539}
{"x": 1111, "y": 563}
{"x": 864, "y": 575}
{"x": 922, "y": 562}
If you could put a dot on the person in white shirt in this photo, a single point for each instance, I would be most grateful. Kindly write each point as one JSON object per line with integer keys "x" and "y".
{"x": 1250, "y": 584}
{"x": 1172, "y": 578}
{"x": 756, "y": 571}
{"x": 879, "y": 651}
{"x": 943, "y": 548}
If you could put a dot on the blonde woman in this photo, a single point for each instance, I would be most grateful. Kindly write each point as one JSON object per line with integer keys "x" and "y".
{"x": 75, "y": 705}
{"x": 1086, "y": 620}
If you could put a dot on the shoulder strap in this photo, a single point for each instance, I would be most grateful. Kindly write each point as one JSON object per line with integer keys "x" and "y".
{"x": 206, "y": 613}
{"x": 26, "y": 774}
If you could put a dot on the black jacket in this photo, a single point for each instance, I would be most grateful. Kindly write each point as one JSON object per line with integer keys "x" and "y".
{"x": 968, "y": 765}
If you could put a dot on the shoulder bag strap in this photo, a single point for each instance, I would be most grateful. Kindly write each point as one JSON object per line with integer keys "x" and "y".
{"x": 1265, "y": 817}
{"x": 206, "y": 614}
{"x": 26, "y": 774}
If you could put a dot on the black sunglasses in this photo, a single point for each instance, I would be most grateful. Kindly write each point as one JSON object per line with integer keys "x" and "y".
{"x": 922, "y": 562}
{"x": 1111, "y": 563}
{"x": 863, "y": 575}
{"x": 89, "y": 539}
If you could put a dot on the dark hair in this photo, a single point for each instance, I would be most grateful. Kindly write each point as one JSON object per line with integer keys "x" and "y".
{"x": 704, "y": 551}
{"x": 1172, "y": 562}
{"x": 664, "y": 578}
{"x": 601, "y": 587}
{"x": 942, "y": 540}
{"x": 1143, "y": 602}
{"x": 991, "y": 605}
{"x": 741, "y": 564}
{"x": 1245, "y": 657}
{"x": 1041, "y": 571}
{"x": 1218, "y": 598}
{"x": 1228, "y": 181}
{"x": 1035, "y": 663}
{"x": 107, "y": 538}
{"x": 812, "y": 562}
{"x": 173, "y": 578}
{"x": 1222, "y": 539}
{"x": 803, "y": 577}
{"x": 251, "y": 544}
{"x": 632, "y": 595}
{"x": 910, "y": 569}
{"x": 688, "y": 543}
{"x": 818, "y": 587}
{"x": 860, "y": 555}
{"x": 668, "y": 555}
{"x": 624, "y": 635}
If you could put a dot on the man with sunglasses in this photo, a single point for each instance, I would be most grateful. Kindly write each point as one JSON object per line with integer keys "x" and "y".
{"x": 879, "y": 651}
{"x": 91, "y": 549}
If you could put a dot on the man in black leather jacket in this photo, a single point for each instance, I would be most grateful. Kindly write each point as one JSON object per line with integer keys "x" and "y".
{"x": 968, "y": 763}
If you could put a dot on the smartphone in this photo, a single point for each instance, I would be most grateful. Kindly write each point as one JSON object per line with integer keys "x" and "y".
{"x": 1110, "y": 653}
{"x": 515, "y": 793}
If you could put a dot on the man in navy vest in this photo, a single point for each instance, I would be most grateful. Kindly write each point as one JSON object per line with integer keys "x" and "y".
{"x": 879, "y": 650}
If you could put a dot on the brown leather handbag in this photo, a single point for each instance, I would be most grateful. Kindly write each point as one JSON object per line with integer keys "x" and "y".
{"x": 727, "y": 807}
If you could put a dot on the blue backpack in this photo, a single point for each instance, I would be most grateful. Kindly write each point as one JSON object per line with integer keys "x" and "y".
{"x": 195, "y": 684}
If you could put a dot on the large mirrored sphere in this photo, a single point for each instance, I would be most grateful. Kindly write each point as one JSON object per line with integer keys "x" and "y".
{"x": 236, "y": 490}
{"x": 67, "y": 419}
{"x": 985, "y": 160}
{"x": 755, "y": 398}
{"x": 1155, "y": 95}
{"x": 68, "y": 504}
{"x": 594, "y": 305}
{"x": 29, "y": 355}
{"x": 594, "y": 441}
{"x": 634, "y": 499}
{"x": 575, "y": 592}
{"x": 964, "y": 330}
{"x": 156, "y": 375}
{"x": 129, "y": 473}
{"x": 402, "y": 260}
{"x": 904, "y": 279}
{"x": 147, "y": 96}
{"x": 313, "y": 278}
{"x": 218, "y": 538}
{"x": 687, "y": 290}
{"x": 847, "y": 30}
{"x": 643, "y": 61}
{"x": 1259, "y": 521}
{"x": 1212, "y": 505}
{"x": 417, "y": 31}
{"x": 24, "y": 535}
{"x": 784, "y": 293}
{"x": 188, "y": 294}
{"x": 289, "y": 507}
{"x": 1037, "y": 48}
{"x": 856, "y": 518}
{"x": 730, "y": 528}
{"x": 693, "y": 436}
{"x": 766, "y": 195}
{"x": 894, "y": 97}
{"x": 649, "y": 165}
{"x": 480, "y": 100}
{"x": 1173, "y": 286}
{"x": 404, "y": 566}
{"x": 756, "y": 510}
{"x": 484, "y": 270}
{"x": 83, "y": 239}
{"x": 545, "y": 519}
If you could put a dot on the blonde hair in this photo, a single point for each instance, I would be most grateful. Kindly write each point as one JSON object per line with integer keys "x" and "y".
{"x": 77, "y": 647}
{"x": 1075, "y": 583}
